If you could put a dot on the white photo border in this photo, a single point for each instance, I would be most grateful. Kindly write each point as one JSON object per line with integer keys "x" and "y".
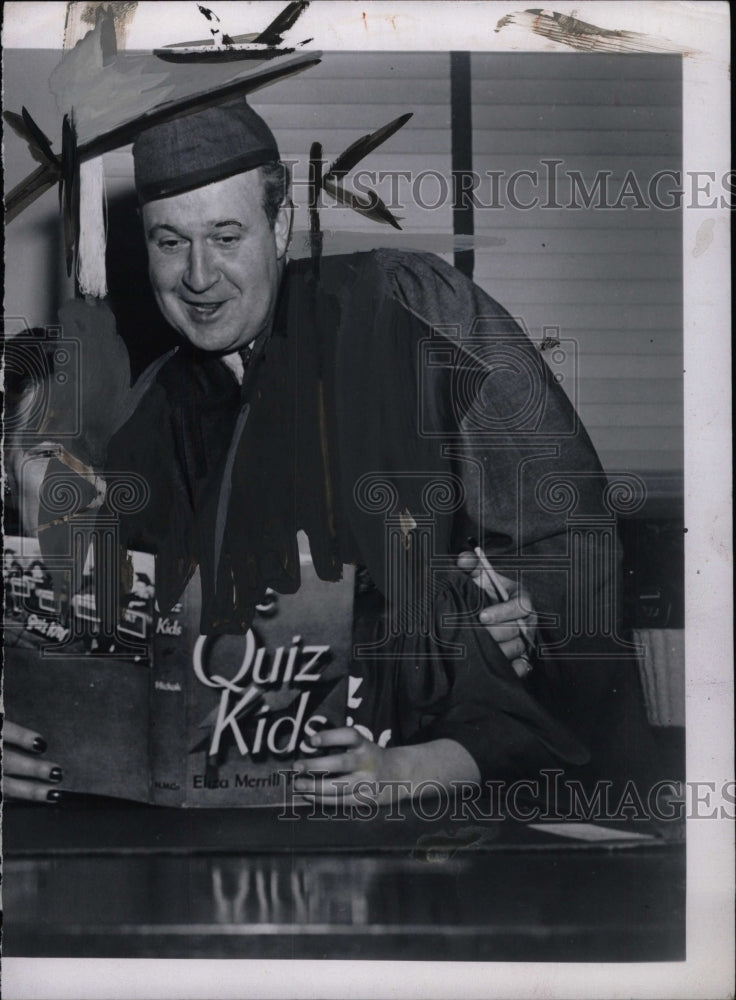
{"x": 702, "y": 29}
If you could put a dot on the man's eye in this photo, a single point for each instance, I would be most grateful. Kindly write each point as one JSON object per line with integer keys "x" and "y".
{"x": 169, "y": 244}
{"x": 227, "y": 240}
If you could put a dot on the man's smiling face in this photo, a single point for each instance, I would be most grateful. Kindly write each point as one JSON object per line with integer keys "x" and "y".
{"x": 215, "y": 261}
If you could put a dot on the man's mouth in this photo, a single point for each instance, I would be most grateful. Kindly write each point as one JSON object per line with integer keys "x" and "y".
{"x": 203, "y": 310}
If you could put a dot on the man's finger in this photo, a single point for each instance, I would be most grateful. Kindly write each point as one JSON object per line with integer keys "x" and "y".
{"x": 467, "y": 560}
{"x": 504, "y": 633}
{"x": 332, "y": 764}
{"x": 513, "y": 648}
{"x": 483, "y": 581}
{"x": 522, "y": 666}
{"x": 343, "y": 736}
{"x": 338, "y": 788}
{"x": 504, "y": 613}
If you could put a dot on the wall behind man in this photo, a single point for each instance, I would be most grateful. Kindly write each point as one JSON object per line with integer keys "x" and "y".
{"x": 609, "y": 278}
{"x": 606, "y": 282}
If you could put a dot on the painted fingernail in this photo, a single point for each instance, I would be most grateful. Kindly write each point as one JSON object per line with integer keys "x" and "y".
{"x": 39, "y": 745}
{"x": 55, "y": 774}
{"x": 53, "y": 796}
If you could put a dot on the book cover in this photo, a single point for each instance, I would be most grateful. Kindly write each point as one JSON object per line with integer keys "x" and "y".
{"x": 245, "y": 705}
{"x": 159, "y": 713}
{"x": 85, "y": 693}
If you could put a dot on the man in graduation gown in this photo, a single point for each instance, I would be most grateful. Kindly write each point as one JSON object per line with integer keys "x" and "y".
{"x": 391, "y": 410}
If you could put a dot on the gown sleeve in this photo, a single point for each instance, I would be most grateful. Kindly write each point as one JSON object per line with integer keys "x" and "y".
{"x": 538, "y": 501}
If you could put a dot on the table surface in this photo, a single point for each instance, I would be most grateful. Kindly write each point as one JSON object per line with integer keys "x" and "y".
{"x": 101, "y": 878}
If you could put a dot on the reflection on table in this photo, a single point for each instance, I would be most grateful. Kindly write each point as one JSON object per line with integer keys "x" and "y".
{"x": 496, "y": 892}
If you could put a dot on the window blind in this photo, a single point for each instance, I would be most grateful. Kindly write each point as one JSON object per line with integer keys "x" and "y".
{"x": 609, "y": 280}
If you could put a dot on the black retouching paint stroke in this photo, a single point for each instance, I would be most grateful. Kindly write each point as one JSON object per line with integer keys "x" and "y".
{"x": 461, "y": 127}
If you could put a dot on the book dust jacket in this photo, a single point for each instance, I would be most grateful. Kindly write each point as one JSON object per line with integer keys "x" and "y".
{"x": 159, "y": 713}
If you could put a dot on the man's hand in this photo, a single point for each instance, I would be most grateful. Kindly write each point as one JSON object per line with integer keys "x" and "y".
{"x": 380, "y": 774}
{"x": 25, "y": 774}
{"x": 512, "y": 623}
{"x": 334, "y": 777}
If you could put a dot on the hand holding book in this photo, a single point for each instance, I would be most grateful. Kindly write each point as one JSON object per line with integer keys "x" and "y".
{"x": 354, "y": 771}
{"x": 26, "y": 774}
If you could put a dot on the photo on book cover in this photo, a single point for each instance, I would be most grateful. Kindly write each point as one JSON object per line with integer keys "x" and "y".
{"x": 365, "y": 567}
{"x": 156, "y": 712}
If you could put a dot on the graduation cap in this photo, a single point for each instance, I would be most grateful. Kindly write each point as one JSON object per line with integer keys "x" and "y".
{"x": 106, "y": 99}
{"x": 169, "y": 105}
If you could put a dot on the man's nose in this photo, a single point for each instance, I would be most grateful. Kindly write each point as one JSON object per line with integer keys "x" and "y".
{"x": 202, "y": 272}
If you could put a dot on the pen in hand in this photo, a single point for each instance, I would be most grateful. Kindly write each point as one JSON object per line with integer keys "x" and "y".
{"x": 497, "y": 583}
{"x": 502, "y": 594}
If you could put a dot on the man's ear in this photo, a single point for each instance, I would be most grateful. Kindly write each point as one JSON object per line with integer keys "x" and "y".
{"x": 282, "y": 228}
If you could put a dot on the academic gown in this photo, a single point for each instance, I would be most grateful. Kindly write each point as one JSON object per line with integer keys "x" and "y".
{"x": 393, "y": 411}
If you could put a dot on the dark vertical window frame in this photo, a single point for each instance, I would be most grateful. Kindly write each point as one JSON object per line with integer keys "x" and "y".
{"x": 461, "y": 127}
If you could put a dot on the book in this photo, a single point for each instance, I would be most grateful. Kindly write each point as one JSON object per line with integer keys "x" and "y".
{"x": 158, "y": 713}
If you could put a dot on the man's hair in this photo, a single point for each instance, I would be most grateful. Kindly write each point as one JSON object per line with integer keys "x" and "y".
{"x": 276, "y": 185}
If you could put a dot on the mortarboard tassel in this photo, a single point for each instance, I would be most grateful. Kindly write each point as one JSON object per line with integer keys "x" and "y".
{"x": 91, "y": 273}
